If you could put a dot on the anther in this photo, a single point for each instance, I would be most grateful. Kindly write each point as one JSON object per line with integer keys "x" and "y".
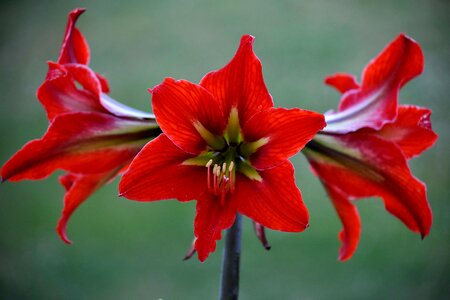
{"x": 224, "y": 168}
{"x": 230, "y": 168}
{"x": 209, "y": 163}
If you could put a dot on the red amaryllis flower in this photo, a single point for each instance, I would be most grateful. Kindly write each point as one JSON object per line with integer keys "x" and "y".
{"x": 363, "y": 151}
{"x": 90, "y": 135}
{"x": 226, "y": 146}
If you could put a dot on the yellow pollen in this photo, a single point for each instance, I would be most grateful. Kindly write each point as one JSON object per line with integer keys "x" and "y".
{"x": 230, "y": 168}
{"x": 209, "y": 163}
{"x": 222, "y": 179}
{"x": 217, "y": 170}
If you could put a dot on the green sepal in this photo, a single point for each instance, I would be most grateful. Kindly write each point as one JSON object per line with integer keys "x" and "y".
{"x": 247, "y": 149}
{"x": 247, "y": 169}
{"x": 214, "y": 141}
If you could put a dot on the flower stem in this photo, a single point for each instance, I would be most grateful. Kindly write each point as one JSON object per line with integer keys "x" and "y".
{"x": 229, "y": 288}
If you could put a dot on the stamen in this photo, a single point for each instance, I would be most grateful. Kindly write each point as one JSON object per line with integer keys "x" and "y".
{"x": 224, "y": 168}
{"x": 215, "y": 177}
{"x": 230, "y": 170}
{"x": 218, "y": 180}
{"x": 208, "y": 165}
{"x": 223, "y": 177}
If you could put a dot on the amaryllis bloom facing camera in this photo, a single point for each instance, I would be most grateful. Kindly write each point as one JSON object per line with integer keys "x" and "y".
{"x": 226, "y": 146}
{"x": 364, "y": 149}
{"x": 91, "y": 136}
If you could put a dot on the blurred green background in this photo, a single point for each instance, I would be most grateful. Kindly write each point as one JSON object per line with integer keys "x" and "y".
{"x": 129, "y": 250}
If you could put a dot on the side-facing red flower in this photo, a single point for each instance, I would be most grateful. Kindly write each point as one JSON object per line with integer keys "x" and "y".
{"x": 226, "y": 146}
{"x": 90, "y": 135}
{"x": 363, "y": 151}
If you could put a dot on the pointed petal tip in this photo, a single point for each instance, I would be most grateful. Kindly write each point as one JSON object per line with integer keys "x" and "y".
{"x": 78, "y": 10}
{"x": 344, "y": 256}
{"x": 404, "y": 36}
{"x": 61, "y": 230}
{"x": 341, "y": 259}
{"x": 165, "y": 81}
{"x": 202, "y": 258}
{"x": 342, "y": 82}
{"x": 67, "y": 241}
{"x": 76, "y": 13}
{"x": 55, "y": 66}
{"x": 424, "y": 232}
{"x": 247, "y": 38}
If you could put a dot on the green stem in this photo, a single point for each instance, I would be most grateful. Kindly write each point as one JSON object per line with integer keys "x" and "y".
{"x": 229, "y": 288}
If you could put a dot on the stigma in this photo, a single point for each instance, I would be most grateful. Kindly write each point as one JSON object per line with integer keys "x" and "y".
{"x": 221, "y": 178}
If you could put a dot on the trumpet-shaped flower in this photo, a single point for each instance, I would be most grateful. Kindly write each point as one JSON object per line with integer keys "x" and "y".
{"x": 364, "y": 148}
{"x": 226, "y": 146}
{"x": 90, "y": 136}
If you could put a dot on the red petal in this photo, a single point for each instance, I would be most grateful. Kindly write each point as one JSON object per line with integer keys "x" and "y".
{"x": 78, "y": 189}
{"x": 367, "y": 165}
{"x": 178, "y": 105}
{"x": 79, "y": 143}
{"x": 275, "y": 202}
{"x": 411, "y": 131}
{"x": 59, "y": 93}
{"x": 158, "y": 173}
{"x": 240, "y": 83}
{"x": 342, "y": 82}
{"x": 349, "y": 216}
{"x": 374, "y": 104}
{"x": 74, "y": 48}
{"x": 212, "y": 217}
{"x": 288, "y": 131}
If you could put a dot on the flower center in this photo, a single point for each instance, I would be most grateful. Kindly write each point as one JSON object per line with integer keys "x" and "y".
{"x": 225, "y": 155}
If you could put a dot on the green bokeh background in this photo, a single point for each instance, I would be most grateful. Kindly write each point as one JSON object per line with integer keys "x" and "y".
{"x": 130, "y": 250}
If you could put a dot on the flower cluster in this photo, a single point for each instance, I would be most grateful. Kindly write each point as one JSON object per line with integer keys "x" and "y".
{"x": 222, "y": 143}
